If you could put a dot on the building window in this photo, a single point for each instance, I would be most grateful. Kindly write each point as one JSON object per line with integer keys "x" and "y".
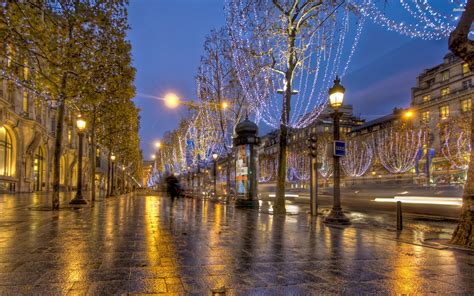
{"x": 466, "y": 105}
{"x": 445, "y": 91}
{"x": 326, "y": 128}
{"x": 465, "y": 69}
{"x": 445, "y": 75}
{"x": 6, "y": 153}
{"x": 425, "y": 117}
{"x": 467, "y": 83}
{"x": 25, "y": 102}
{"x": 444, "y": 112}
{"x": 426, "y": 98}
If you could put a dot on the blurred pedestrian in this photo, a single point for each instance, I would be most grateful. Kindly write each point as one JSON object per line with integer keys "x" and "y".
{"x": 173, "y": 187}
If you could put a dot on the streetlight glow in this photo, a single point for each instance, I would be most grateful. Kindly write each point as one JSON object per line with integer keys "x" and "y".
{"x": 81, "y": 124}
{"x": 336, "y": 94}
{"x": 157, "y": 144}
{"x": 225, "y": 105}
{"x": 408, "y": 114}
{"x": 171, "y": 100}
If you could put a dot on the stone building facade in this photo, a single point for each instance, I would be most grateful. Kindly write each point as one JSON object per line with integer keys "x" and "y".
{"x": 27, "y": 135}
{"x": 442, "y": 95}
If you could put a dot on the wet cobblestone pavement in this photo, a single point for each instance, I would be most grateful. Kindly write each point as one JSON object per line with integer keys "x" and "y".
{"x": 139, "y": 245}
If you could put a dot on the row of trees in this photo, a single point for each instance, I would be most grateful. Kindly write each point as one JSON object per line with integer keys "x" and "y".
{"x": 79, "y": 60}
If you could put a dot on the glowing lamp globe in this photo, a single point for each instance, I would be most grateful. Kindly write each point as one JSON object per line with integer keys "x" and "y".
{"x": 112, "y": 157}
{"x": 171, "y": 100}
{"x": 336, "y": 94}
{"x": 214, "y": 155}
{"x": 81, "y": 125}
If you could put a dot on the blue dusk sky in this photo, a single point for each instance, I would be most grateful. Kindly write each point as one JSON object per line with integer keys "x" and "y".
{"x": 167, "y": 38}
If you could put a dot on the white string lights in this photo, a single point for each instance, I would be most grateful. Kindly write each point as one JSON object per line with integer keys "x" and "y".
{"x": 358, "y": 158}
{"x": 258, "y": 50}
{"x": 420, "y": 19}
{"x": 267, "y": 168}
{"x": 457, "y": 143}
{"x": 397, "y": 149}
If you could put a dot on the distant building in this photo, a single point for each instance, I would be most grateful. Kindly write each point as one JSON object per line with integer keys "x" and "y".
{"x": 442, "y": 94}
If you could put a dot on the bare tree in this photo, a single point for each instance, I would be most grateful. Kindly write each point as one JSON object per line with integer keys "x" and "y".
{"x": 219, "y": 89}
{"x": 279, "y": 46}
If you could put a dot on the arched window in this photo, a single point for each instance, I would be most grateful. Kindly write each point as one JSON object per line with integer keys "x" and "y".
{"x": 6, "y": 153}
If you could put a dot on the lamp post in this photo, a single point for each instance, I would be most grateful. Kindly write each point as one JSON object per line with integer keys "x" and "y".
{"x": 79, "y": 199}
{"x": 214, "y": 160}
{"x": 112, "y": 181}
{"x": 336, "y": 98}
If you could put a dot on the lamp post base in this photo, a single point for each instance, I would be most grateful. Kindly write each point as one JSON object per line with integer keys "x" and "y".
{"x": 337, "y": 217}
{"x": 78, "y": 200}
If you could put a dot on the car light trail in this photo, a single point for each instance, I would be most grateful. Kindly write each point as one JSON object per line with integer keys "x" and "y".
{"x": 448, "y": 201}
{"x": 286, "y": 195}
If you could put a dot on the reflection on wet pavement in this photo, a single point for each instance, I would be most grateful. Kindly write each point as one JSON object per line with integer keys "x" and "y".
{"x": 136, "y": 244}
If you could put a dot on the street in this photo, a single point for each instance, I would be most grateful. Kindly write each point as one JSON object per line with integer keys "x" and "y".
{"x": 363, "y": 199}
{"x": 146, "y": 244}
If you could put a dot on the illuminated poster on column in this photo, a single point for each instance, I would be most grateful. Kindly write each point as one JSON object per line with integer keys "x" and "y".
{"x": 241, "y": 169}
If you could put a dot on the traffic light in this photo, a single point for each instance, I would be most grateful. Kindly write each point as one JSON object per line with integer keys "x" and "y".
{"x": 313, "y": 146}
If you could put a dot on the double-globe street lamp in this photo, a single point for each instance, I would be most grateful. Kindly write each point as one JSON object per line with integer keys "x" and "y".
{"x": 336, "y": 98}
{"x": 79, "y": 198}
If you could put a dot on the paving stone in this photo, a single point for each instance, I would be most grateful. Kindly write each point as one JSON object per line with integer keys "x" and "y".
{"x": 145, "y": 245}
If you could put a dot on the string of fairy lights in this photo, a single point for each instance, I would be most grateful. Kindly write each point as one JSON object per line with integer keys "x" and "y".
{"x": 259, "y": 57}
{"x": 358, "y": 158}
{"x": 457, "y": 146}
{"x": 322, "y": 52}
{"x": 397, "y": 149}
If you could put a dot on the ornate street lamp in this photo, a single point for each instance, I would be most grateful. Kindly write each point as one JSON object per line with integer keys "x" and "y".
{"x": 79, "y": 199}
{"x": 214, "y": 160}
{"x": 336, "y": 98}
{"x": 112, "y": 181}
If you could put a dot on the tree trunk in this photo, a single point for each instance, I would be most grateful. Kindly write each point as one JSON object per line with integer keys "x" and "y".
{"x": 57, "y": 155}
{"x": 279, "y": 207}
{"x": 461, "y": 46}
{"x": 92, "y": 154}
{"x": 58, "y": 144}
{"x": 108, "y": 192}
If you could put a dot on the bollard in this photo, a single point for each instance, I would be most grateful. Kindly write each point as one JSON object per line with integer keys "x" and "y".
{"x": 399, "y": 216}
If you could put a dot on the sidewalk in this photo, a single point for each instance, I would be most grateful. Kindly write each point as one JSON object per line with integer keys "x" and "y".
{"x": 145, "y": 244}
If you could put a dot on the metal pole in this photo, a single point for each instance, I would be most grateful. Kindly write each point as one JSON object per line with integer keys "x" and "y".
{"x": 337, "y": 176}
{"x": 79, "y": 199}
{"x": 215, "y": 179}
{"x": 314, "y": 187}
{"x": 112, "y": 183}
{"x": 399, "y": 216}
{"x": 336, "y": 216}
